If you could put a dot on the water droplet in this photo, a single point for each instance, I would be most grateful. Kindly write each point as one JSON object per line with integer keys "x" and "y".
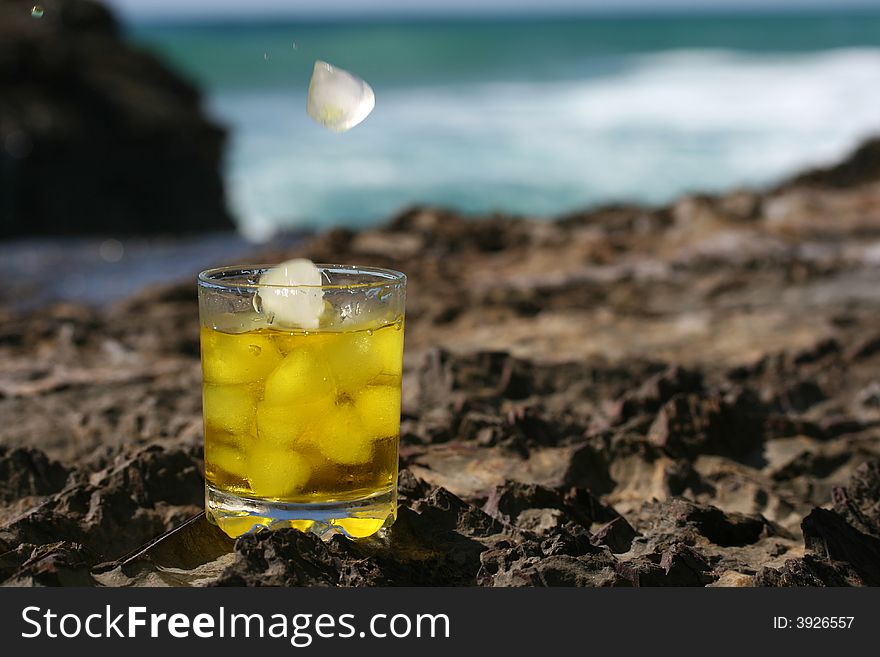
{"x": 267, "y": 56}
{"x": 369, "y": 331}
{"x": 255, "y": 349}
{"x": 37, "y": 11}
{"x": 295, "y": 47}
{"x": 111, "y": 250}
{"x": 258, "y": 302}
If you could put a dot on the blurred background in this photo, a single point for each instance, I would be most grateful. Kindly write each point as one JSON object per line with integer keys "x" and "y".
{"x": 153, "y": 117}
{"x": 533, "y": 108}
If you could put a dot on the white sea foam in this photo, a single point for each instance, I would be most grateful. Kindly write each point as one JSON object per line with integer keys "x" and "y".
{"x": 662, "y": 125}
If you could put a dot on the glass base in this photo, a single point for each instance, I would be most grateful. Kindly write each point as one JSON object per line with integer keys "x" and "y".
{"x": 237, "y": 515}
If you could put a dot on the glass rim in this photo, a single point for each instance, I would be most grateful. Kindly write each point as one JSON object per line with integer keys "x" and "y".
{"x": 384, "y": 277}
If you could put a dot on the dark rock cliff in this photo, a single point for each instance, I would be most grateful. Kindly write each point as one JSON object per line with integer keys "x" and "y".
{"x": 97, "y": 136}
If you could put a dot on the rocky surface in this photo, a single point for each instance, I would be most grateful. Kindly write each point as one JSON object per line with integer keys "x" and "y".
{"x": 682, "y": 396}
{"x": 97, "y": 136}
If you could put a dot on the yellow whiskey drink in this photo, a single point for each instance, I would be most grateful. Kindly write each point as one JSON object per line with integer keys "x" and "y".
{"x": 302, "y": 426}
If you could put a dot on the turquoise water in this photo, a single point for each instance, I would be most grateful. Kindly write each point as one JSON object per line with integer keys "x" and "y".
{"x": 534, "y": 117}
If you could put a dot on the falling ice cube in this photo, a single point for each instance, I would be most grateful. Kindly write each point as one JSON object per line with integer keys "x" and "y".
{"x": 338, "y": 100}
{"x": 290, "y": 294}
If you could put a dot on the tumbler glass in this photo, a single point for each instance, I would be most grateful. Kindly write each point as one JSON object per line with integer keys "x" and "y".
{"x": 302, "y": 424}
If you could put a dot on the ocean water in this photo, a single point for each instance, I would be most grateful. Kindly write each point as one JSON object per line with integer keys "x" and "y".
{"x": 533, "y": 117}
